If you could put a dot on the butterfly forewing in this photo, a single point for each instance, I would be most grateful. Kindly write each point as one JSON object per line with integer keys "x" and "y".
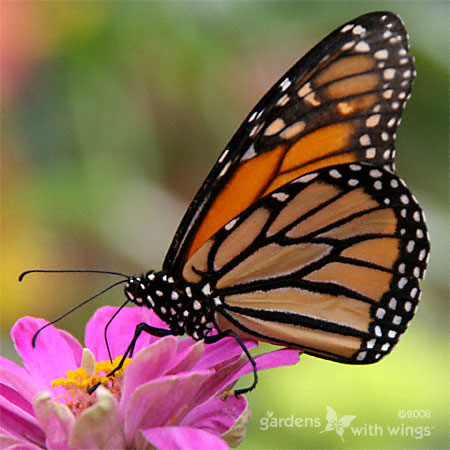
{"x": 341, "y": 103}
{"x": 329, "y": 263}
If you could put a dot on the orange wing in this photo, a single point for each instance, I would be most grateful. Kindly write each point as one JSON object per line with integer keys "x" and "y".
{"x": 339, "y": 104}
{"x": 328, "y": 263}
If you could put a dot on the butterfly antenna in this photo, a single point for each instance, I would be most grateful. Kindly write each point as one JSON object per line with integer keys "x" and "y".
{"x": 107, "y": 326}
{"x": 107, "y": 272}
{"x": 33, "y": 341}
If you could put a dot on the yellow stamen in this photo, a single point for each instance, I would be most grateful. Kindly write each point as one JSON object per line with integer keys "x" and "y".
{"x": 81, "y": 380}
{"x": 78, "y": 382}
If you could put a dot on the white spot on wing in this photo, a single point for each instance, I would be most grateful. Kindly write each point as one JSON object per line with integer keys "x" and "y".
{"x": 389, "y": 74}
{"x": 359, "y": 30}
{"x": 304, "y": 90}
{"x": 373, "y": 121}
{"x": 275, "y": 127}
{"x": 249, "y": 154}
{"x": 305, "y": 178}
{"x": 225, "y": 169}
{"x": 397, "y": 320}
{"x": 206, "y": 289}
{"x": 362, "y": 46}
{"x": 283, "y": 100}
{"x": 348, "y": 45}
{"x": 196, "y": 305}
{"x": 410, "y": 246}
{"x": 230, "y": 224}
{"x": 355, "y": 167}
{"x": 364, "y": 139}
{"x": 381, "y": 54}
{"x": 280, "y": 196}
{"x": 224, "y": 155}
{"x": 361, "y": 356}
{"x": 255, "y": 129}
{"x": 347, "y": 27}
{"x": 285, "y": 84}
{"x": 375, "y": 173}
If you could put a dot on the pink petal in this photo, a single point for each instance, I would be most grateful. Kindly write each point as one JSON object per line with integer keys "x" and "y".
{"x": 221, "y": 351}
{"x": 9, "y": 443}
{"x": 216, "y": 384}
{"x": 99, "y": 426}
{"x": 20, "y": 447}
{"x": 19, "y": 380}
{"x": 236, "y": 434}
{"x": 184, "y": 343}
{"x": 120, "y": 331}
{"x": 52, "y": 356}
{"x": 282, "y": 357}
{"x": 158, "y": 402}
{"x": 55, "y": 419}
{"x": 224, "y": 378}
{"x": 187, "y": 359}
{"x": 73, "y": 343}
{"x": 12, "y": 367}
{"x": 10, "y": 396}
{"x": 149, "y": 363}
{"x": 181, "y": 438}
{"x": 17, "y": 423}
{"x": 216, "y": 415}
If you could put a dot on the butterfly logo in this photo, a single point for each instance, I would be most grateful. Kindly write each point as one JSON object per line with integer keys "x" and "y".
{"x": 336, "y": 424}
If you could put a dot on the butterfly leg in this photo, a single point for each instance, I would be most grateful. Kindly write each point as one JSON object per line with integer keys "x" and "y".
{"x": 158, "y": 332}
{"x": 218, "y": 337}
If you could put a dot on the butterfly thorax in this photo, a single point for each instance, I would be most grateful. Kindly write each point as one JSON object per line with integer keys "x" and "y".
{"x": 184, "y": 308}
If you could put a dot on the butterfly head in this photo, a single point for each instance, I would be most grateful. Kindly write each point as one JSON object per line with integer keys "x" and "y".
{"x": 183, "y": 308}
{"x": 136, "y": 289}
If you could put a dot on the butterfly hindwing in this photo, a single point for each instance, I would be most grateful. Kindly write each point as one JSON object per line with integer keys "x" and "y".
{"x": 329, "y": 263}
{"x": 341, "y": 103}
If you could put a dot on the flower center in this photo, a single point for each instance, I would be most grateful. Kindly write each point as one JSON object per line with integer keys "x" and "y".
{"x": 79, "y": 382}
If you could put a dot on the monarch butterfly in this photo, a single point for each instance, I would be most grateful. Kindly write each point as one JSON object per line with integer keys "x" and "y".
{"x": 302, "y": 235}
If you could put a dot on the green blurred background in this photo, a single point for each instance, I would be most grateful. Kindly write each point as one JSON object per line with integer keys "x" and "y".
{"x": 112, "y": 115}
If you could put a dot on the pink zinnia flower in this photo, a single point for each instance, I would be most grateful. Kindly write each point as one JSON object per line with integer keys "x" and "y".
{"x": 169, "y": 396}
